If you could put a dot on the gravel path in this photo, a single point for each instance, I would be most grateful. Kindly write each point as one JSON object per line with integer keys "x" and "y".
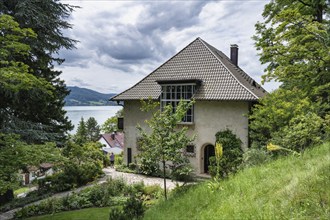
{"x": 109, "y": 172}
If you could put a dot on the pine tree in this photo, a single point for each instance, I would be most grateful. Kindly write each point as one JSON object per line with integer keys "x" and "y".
{"x": 40, "y": 117}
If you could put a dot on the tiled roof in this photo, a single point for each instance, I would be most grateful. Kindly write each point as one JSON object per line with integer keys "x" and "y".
{"x": 220, "y": 78}
{"x": 115, "y": 139}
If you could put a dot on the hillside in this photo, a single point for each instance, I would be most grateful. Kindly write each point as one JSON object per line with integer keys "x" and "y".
{"x": 87, "y": 97}
{"x": 294, "y": 187}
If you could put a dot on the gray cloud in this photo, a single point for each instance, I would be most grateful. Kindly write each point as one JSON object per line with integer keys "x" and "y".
{"x": 135, "y": 37}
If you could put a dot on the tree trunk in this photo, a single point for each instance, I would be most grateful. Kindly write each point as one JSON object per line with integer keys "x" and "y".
{"x": 164, "y": 176}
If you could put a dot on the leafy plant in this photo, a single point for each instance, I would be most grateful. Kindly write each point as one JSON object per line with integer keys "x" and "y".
{"x": 165, "y": 143}
{"x": 231, "y": 154}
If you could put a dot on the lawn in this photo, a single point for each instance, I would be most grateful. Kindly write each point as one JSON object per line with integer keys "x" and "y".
{"x": 83, "y": 214}
{"x": 293, "y": 187}
{"x": 21, "y": 190}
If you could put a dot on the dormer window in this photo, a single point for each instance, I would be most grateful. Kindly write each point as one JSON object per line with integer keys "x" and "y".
{"x": 175, "y": 91}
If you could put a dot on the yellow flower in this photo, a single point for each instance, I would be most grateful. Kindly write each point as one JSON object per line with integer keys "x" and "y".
{"x": 273, "y": 147}
{"x": 218, "y": 150}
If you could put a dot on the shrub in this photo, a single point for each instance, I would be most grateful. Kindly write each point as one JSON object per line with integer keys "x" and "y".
{"x": 119, "y": 159}
{"x": 302, "y": 131}
{"x": 232, "y": 153}
{"x": 183, "y": 173}
{"x": 150, "y": 167}
{"x": 255, "y": 156}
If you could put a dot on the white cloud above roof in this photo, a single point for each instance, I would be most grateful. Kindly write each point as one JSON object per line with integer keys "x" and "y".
{"x": 123, "y": 41}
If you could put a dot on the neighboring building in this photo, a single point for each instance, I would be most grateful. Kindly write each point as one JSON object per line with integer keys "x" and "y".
{"x": 112, "y": 143}
{"x": 33, "y": 172}
{"x": 223, "y": 92}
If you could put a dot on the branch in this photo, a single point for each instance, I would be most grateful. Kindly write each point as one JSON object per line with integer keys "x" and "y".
{"x": 304, "y": 3}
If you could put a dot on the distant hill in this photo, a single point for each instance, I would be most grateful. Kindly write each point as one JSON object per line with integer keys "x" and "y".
{"x": 87, "y": 97}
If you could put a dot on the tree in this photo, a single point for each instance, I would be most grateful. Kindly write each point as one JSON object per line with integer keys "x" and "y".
{"x": 111, "y": 124}
{"x": 48, "y": 19}
{"x": 81, "y": 135}
{"x": 165, "y": 143}
{"x": 16, "y": 155}
{"x": 294, "y": 41}
{"x": 92, "y": 129}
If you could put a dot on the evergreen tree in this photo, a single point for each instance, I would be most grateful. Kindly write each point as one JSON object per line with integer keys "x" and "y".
{"x": 92, "y": 129}
{"x": 42, "y": 112}
{"x": 81, "y": 135}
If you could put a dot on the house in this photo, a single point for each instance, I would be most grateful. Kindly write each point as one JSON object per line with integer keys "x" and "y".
{"x": 33, "y": 172}
{"x": 223, "y": 92}
{"x": 112, "y": 143}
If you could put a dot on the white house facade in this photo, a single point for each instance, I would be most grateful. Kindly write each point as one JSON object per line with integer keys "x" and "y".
{"x": 223, "y": 95}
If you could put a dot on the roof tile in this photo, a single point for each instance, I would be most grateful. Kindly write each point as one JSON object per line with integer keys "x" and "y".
{"x": 221, "y": 79}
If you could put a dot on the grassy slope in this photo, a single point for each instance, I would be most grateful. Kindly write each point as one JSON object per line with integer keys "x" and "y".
{"x": 288, "y": 188}
{"x": 83, "y": 214}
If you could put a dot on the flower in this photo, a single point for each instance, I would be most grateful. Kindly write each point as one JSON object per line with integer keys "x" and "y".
{"x": 273, "y": 147}
{"x": 218, "y": 150}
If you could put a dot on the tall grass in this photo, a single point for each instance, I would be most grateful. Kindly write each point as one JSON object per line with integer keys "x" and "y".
{"x": 294, "y": 187}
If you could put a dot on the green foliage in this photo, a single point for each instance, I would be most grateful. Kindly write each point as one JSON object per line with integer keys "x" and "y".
{"x": 302, "y": 131}
{"x": 16, "y": 81}
{"x": 16, "y": 155}
{"x": 133, "y": 209}
{"x": 88, "y": 131}
{"x": 83, "y": 164}
{"x": 294, "y": 41}
{"x": 36, "y": 114}
{"x": 166, "y": 141}
{"x": 255, "y": 156}
{"x": 287, "y": 188}
{"x": 119, "y": 159}
{"x": 81, "y": 135}
{"x": 232, "y": 154}
{"x": 92, "y": 129}
{"x": 111, "y": 193}
{"x": 284, "y": 118}
{"x": 111, "y": 124}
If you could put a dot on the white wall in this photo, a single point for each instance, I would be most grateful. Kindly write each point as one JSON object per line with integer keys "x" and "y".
{"x": 210, "y": 117}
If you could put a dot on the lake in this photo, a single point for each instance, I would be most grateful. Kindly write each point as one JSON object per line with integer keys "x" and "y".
{"x": 100, "y": 113}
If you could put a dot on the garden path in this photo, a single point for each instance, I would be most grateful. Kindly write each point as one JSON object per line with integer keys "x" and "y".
{"x": 109, "y": 172}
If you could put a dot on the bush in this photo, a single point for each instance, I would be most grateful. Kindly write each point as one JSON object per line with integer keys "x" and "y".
{"x": 303, "y": 131}
{"x": 255, "y": 156}
{"x": 149, "y": 167}
{"x": 133, "y": 209}
{"x": 183, "y": 173}
{"x": 232, "y": 153}
{"x": 119, "y": 159}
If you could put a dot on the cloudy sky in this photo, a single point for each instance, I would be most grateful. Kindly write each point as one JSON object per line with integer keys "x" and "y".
{"x": 120, "y": 42}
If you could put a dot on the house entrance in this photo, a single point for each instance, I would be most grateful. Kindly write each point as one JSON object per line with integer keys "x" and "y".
{"x": 208, "y": 152}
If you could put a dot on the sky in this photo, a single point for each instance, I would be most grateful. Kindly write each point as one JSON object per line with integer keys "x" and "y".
{"x": 120, "y": 42}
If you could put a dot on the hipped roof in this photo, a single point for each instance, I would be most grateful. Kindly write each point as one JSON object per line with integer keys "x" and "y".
{"x": 220, "y": 78}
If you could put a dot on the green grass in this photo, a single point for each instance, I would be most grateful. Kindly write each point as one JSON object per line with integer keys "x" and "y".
{"x": 83, "y": 214}
{"x": 294, "y": 187}
{"x": 21, "y": 190}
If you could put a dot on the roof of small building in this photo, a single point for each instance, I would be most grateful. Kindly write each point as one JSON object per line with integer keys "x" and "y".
{"x": 115, "y": 139}
{"x": 220, "y": 78}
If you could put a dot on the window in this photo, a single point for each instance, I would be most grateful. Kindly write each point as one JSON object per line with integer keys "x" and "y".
{"x": 173, "y": 94}
{"x": 190, "y": 151}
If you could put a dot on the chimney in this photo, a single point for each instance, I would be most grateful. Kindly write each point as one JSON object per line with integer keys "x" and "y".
{"x": 113, "y": 135}
{"x": 234, "y": 54}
